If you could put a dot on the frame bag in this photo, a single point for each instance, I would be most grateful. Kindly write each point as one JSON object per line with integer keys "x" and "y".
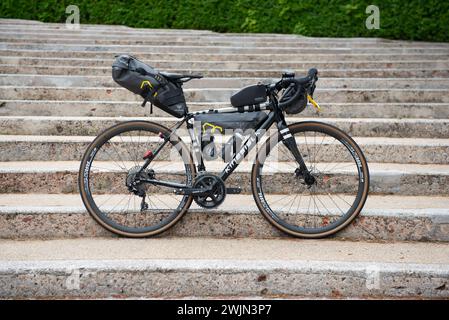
{"x": 147, "y": 82}
{"x": 212, "y": 124}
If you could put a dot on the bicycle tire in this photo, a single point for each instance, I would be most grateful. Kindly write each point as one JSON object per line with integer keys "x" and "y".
{"x": 89, "y": 157}
{"x": 363, "y": 188}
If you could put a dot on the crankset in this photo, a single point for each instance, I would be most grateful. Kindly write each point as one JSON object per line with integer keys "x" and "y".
{"x": 213, "y": 190}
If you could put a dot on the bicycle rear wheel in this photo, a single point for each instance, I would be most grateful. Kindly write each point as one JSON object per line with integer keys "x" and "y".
{"x": 109, "y": 166}
{"x": 325, "y": 207}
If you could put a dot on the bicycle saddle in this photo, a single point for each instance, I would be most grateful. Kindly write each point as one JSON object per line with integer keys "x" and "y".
{"x": 179, "y": 76}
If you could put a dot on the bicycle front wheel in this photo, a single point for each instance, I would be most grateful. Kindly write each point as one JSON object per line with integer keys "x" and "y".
{"x": 339, "y": 191}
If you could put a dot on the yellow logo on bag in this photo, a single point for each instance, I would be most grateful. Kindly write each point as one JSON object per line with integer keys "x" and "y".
{"x": 144, "y": 82}
{"x": 212, "y": 126}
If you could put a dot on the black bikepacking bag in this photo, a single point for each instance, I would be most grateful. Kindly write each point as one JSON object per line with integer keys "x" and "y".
{"x": 147, "y": 82}
{"x": 250, "y": 95}
{"x": 218, "y": 122}
{"x": 294, "y": 106}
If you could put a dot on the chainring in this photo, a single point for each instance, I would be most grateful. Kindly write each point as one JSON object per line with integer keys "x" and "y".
{"x": 215, "y": 196}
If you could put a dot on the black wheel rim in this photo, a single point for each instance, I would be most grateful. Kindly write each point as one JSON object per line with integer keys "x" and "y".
{"x": 123, "y": 150}
{"x": 293, "y": 210}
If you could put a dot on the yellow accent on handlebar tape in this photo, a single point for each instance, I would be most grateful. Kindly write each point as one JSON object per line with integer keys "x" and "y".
{"x": 313, "y": 102}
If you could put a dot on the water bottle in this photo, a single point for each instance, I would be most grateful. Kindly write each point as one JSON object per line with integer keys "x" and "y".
{"x": 208, "y": 147}
{"x": 231, "y": 146}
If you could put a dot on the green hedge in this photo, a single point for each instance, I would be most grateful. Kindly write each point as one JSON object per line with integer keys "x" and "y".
{"x": 399, "y": 19}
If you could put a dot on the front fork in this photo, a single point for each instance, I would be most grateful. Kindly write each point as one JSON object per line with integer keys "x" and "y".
{"x": 289, "y": 141}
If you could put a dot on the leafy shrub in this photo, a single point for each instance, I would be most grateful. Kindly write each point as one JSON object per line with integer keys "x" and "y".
{"x": 399, "y": 19}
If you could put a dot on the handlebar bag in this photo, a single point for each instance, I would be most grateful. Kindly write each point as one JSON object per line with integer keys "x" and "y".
{"x": 293, "y": 106}
{"x": 147, "y": 82}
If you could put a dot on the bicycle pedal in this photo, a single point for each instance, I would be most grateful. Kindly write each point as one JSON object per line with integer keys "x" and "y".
{"x": 233, "y": 190}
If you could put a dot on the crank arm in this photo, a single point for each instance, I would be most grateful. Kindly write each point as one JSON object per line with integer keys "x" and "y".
{"x": 192, "y": 191}
{"x": 233, "y": 190}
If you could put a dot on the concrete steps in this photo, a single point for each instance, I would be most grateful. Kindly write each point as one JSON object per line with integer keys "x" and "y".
{"x": 64, "y": 108}
{"x": 71, "y": 148}
{"x": 386, "y": 178}
{"x": 92, "y": 126}
{"x": 221, "y": 95}
{"x": 232, "y": 83}
{"x": 202, "y": 40}
{"x": 214, "y": 267}
{"x": 358, "y": 73}
{"x": 247, "y": 65}
{"x": 56, "y": 94}
{"x": 198, "y": 56}
{"x": 386, "y": 218}
{"x": 211, "y": 48}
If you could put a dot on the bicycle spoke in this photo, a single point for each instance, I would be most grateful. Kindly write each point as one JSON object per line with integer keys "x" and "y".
{"x": 124, "y": 166}
{"x": 118, "y": 206}
{"x": 322, "y": 207}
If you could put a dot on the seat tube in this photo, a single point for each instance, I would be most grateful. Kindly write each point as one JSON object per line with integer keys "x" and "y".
{"x": 197, "y": 152}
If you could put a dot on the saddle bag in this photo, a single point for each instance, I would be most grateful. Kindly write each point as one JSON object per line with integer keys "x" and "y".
{"x": 151, "y": 85}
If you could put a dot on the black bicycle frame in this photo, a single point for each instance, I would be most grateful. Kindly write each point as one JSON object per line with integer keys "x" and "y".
{"x": 275, "y": 115}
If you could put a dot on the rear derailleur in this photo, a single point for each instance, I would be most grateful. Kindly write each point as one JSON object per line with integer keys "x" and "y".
{"x": 136, "y": 186}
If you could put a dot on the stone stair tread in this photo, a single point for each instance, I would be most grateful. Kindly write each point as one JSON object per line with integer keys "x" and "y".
{"x": 87, "y": 62}
{"x": 360, "y": 140}
{"x": 4, "y": 87}
{"x": 329, "y": 95}
{"x": 299, "y": 61}
{"x": 61, "y": 81}
{"x": 427, "y": 206}
{"x": 248, "y": 72}
{"x": 169, "y": 118}
{"x": 228, "y": 56}
{"x": 384, "y": 218}
{"x": 46, "y": 33}
{"x": 216, "y": 166}
{"x": 423, "y": 129}
{"x": 222, "y": 267}
{"x": 276, "y": 47}
{"x": 217, "y": 104}
{"x": 249, "y": 251}
{"x": 230, "y": 73}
